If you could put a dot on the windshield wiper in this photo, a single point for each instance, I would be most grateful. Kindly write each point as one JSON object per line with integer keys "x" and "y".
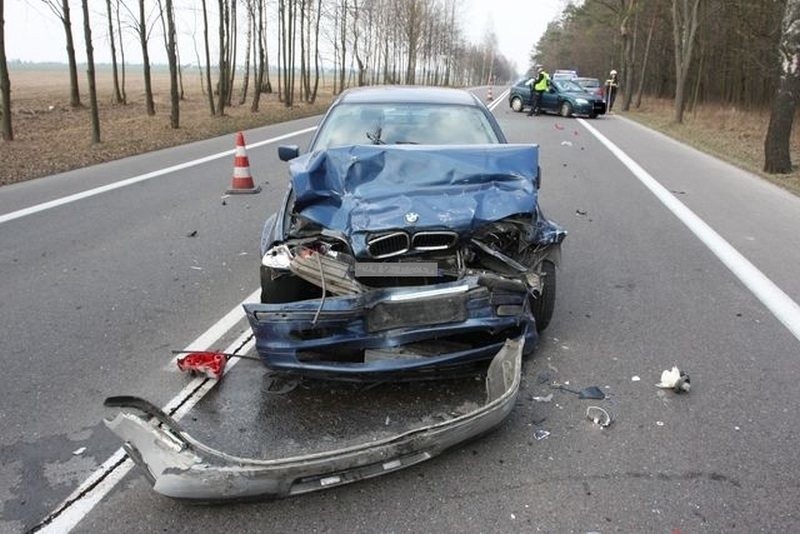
{"x": 375, "y": 137}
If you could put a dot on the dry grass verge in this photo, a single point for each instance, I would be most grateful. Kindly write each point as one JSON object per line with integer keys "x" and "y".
{"x": 50, "y": 137}
{"x": 729, "y": 133}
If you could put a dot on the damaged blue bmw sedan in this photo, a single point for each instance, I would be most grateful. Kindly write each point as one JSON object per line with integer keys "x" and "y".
{"x": 410, "y": 243}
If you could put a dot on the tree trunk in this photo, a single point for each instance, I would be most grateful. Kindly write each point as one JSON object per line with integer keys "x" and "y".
{"x": 117, "y": 93}
{"x": 684, "y": 27}
{"x": 172, "y": 58}
{"x": 259, "y": 78}
{"x": 148, "y": 86}
{"x": 223, "y": 53}
{"x": 777, "y": 158}
{"x": 643, "y": 72}
{"x": 121, "y": 56}
{"x": 209, "y": 89}
{"x": 5, "y": 83}
{"x": 74, "y": 93}
{"x": 232, "y": 39}
{"x": 87, "y": 36}
{"x": 316, "y": 52}
{"x": 248, "y": 43}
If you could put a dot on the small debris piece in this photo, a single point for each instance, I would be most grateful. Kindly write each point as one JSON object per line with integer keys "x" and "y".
{"x": 566, "y": 143}
{"x": 78, "y": 452}
{"x": 581, "y": 212}
{"x": 196, "y": 267}
{"x": 558, "y": 126}
{"x": 211, "y": 364}
{"x": 544, "y": 399}
{"x": 635, "y": 378}
{"x": 513, "y": 516}
{"x": 659, "y": 423}
{"x": 676, "y": 380}
{"x": 592, "y": 392}
{"x": 598, "y": 416}
{"x": 193, "y": 233}
{"x": 541, "y": 434}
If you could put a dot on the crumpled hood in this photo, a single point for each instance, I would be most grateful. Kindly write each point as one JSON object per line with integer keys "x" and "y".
{"x": 364, "y": 189}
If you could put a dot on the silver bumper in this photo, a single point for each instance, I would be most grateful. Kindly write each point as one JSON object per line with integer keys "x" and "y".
{"x": 183, "y": 468}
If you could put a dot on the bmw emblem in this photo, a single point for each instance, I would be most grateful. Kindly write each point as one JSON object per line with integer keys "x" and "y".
{"x": 412, "y": 217}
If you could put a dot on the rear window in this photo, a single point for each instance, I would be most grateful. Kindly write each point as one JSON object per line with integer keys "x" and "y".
{"x": 424, "y": 124}
{"x": 589, "y": 82}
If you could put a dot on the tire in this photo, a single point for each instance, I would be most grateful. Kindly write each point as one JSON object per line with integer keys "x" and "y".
{"x": 593, "y": 115}
{"x": 285, "y": 288}
{"x": 566, "y": 109}
{"x": 543, "y": 306}
{"x": 516, "y": 104}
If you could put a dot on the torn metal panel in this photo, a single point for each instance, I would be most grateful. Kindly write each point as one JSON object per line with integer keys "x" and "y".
{"x": 181, "y": 467}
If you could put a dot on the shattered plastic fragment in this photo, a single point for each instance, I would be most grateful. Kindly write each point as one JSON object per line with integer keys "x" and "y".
{"x": 635, "y": 378}
{"x": 566, "y": 143}
{"x": 548, "y": 398}
{"x": 541, "y": 434}
{"x": 211, "y": 364}
{"x": 675, "y": 379}
{"x": 598, "y": 416}
{"x": 80, "y": 451}
{"x": 592, "y": 392}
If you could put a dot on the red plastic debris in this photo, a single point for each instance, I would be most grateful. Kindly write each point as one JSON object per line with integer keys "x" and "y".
{"x": 211, "y": 364}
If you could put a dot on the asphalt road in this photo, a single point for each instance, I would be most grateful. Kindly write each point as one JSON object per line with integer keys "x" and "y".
{"x": 95, "y": 293}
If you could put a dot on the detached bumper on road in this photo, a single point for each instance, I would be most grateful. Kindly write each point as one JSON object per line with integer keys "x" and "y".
{"x": 181, "y": 467}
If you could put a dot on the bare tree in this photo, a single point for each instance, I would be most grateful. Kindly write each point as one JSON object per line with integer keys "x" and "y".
{"x": 248, "y": 43}
{"x": 172, "y": 60}
{"x": 63, "y": 14}
{"x": 121, "y": 54}
{"x": 5, "y": 83}
{"x": 210, "y": 91}
{"x": 259, "y": 72}
{"x": 776, "y": 145}
{"x": 222, "y": 84}
{"x": 87, "y": 35}
{"x": 684, "y": 27}
{"x": 117, "y": 92}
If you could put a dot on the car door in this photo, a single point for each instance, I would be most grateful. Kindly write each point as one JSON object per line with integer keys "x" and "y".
{"x": 550, "y": 98}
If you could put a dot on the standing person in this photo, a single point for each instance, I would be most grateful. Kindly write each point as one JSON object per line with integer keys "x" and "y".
{"x": 611, "y": 89}
{"x": 538, "y": 86}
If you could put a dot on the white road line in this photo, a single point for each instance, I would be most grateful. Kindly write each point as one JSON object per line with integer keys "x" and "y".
{"x": 81, "y": 502}
{"x": 141, "y": 178}
{"x": 779, "y": 303}
{"x": 499, "y": 99}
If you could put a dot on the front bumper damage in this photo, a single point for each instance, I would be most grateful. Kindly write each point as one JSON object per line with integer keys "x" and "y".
{"x": 181, "y": 467}
{"x": 395, "y": 332}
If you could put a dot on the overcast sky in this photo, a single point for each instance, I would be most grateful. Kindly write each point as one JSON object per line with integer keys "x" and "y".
{"x": 33, "y": 33}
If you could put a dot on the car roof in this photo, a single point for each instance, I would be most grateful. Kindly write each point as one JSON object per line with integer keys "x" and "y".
{"x": 404, "y": 94}
{"x": 584, "y": 78}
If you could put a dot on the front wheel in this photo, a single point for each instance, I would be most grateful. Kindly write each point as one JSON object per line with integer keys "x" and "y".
{"x": 566, "y": 109}
{"x": 542, "y": 306}
{"x": 593, "y": 115}
{"x": 516, "y": 104}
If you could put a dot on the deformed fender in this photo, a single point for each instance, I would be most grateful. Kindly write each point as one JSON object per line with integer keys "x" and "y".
{"x": 181, "y": 467}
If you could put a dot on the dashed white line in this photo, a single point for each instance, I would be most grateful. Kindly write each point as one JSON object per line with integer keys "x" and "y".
{"x": 141, "y": 178}
{"x": 777, "y": 302}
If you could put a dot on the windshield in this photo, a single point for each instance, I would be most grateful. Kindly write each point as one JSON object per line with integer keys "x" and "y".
{"x": 424, "y": 124}
{"x": 568, "y": 86}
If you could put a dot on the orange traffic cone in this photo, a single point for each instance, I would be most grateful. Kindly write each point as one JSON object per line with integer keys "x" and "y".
{"x": 489, "y": 96}
{"x": 242, "y": 179}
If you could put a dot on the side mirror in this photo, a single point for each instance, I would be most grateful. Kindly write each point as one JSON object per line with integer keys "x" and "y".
{"x": 288, "y": 152}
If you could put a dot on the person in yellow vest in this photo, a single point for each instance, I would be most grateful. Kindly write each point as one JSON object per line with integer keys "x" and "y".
{"x": 611, "y": 90}
{"x": 538, "y": 85}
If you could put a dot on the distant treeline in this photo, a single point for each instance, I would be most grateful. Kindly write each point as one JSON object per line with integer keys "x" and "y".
{"x": 732, "y": 52}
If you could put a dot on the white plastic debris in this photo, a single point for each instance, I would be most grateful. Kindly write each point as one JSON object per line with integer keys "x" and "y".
{"x": 541, "y": 434}
{"x": 548, "y": 398}
{"x": 659, "y": 423}
{"x": 78, "y": 452}
{"x": 635, "y": 378}
{"x": 675, "y": 379}
{"x": 598, "y": 416}
{"x": 566, "y": 143}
